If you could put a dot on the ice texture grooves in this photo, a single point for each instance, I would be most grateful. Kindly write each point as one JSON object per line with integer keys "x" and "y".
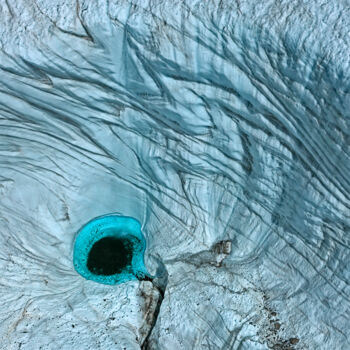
{"x": 206, "y": 121}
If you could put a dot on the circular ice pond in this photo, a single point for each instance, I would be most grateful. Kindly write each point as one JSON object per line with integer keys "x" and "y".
{"x": 109, "y": 250}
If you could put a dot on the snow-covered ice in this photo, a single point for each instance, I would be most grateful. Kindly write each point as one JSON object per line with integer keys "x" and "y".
{"x": 222, "y": 126}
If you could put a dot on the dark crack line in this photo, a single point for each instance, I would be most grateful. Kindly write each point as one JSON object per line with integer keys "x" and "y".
{"x": 160, "y": 283}
{"x": 146, "y": 345}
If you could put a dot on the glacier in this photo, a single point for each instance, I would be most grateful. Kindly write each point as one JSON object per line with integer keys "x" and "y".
{"x": 222, "y": 127}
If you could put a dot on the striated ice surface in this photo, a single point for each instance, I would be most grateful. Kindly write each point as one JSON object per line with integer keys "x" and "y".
{"x": 223, "y": 127}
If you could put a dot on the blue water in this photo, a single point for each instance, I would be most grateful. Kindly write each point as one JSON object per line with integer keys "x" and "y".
{"x": 111, "y": 225}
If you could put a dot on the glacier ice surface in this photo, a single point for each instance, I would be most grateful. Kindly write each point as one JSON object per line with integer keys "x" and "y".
{"x": 222, "y": 127}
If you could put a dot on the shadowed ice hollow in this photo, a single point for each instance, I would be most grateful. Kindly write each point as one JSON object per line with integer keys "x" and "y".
{"x": 110, "y": 249}
{"x": 222, "y": 128}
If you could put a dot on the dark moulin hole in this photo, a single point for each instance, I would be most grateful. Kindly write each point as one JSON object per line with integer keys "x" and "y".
{"x": 109, "y": 256}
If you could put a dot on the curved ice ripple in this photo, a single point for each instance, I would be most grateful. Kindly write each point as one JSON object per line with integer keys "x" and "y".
{"x": 226, "y": 121}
